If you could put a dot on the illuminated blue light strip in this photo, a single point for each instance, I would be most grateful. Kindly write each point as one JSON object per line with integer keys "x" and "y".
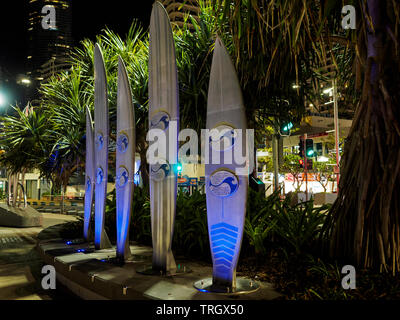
{"x": 222, "y": 262}
{"x": 223, "y": 243}
{"x": 222, "y": 269}
{"x": 224, "y": 230}
{"x": 223, "y": 237}
{"x": 224, "y": 225}
{"x": 224, "y": 249}
{"x": 223, "y": 255}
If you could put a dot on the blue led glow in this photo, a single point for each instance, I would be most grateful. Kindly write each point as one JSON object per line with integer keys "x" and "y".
{"x": 69, "y": 242}
{"x": 223, "y": 244}
{"x": 136, "y": 179}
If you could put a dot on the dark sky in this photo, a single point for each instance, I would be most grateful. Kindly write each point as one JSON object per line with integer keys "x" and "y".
{"x": 89, "y": 18}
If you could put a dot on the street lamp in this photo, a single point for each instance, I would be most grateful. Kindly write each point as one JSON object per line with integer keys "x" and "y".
{"x": 26, "y": 81}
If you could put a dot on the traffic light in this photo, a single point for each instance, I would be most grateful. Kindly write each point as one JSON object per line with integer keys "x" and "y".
{"x": 179, "y": 167}
{"x": 309, "y": 164}
{"x": 285, "y": 128}
{"x": 309, "y": 148}
{"x": 301, "y": 162}
{"x": 301, "y": 148}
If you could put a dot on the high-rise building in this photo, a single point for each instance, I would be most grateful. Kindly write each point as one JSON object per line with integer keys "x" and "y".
{"x": 179, "y": 9}
{"x": 51, "y": 45}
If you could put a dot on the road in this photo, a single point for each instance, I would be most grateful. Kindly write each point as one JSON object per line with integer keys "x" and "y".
{"x": 20, "y": 264}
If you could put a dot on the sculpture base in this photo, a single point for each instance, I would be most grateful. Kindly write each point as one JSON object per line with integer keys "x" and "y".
{"x": 19, "y": 217}
{"x": 243, "y": 286}
{"x": 149, "y": 271}
{"x": 135, "y": 258}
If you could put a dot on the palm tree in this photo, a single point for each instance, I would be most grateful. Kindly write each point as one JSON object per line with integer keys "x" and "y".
{"x": 24, "y": 139}
{"x": 63, "y": 105}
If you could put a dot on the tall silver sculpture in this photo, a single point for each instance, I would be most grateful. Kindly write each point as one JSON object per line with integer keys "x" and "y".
{"x": 163, "y": 112}
{"x": 125, "y": 166}
{"x": 101, "y": 240}
{"x": 89, "y": 172}
{"x": 226, "y": 190}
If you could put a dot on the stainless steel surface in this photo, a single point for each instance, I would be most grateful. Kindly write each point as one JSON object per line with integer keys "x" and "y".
{"x": 125, "y": 165}
{"x": 101, "y": 147}
{"x": 89, "y": 176}
{"x": 163, "y": 105}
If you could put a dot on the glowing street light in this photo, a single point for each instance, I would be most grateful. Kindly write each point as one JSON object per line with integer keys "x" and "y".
{"x": 2, "y": 100}
{"x": 26, "y": 81}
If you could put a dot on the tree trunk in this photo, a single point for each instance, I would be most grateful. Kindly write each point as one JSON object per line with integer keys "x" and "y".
{"x": 142, "y": 149}
{"x": 144, "y": 168}
{"x": 63, "y": 190}
{"x": 364, "y": 220}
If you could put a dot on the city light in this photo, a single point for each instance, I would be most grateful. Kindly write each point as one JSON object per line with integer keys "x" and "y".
{"x": 2, "y": 99}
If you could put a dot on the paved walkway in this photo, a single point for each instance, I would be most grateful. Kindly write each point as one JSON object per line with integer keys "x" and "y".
{"x": 20, "y": 264}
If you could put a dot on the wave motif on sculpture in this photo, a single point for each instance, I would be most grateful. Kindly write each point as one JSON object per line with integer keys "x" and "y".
{"x": 222, "y": 138}
{"x": 122, "y": 143}
{"x": 159, "y": 172}
{"x": 122, "y": 176}
{"x": 160, "y": 121}
{"x": 223, "y": 183}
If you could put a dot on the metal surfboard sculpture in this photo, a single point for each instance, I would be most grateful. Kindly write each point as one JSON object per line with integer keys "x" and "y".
{"x": 164, "y": 115}
{"x": 101, "y": 133}
{"x": 226, "y": 191}
{"x": 125, "y": 165}
{"x": 89, "y": 179}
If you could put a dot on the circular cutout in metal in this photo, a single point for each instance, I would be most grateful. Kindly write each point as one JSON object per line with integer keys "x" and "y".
{"x": 122, "y": 142}
{"x": 222, "y": 137}
{"x": 160, "y": 121}
{"x": 223, "y": 183}
{"x": 99, "y": 141}
{"x": 88, "y": 184}
{"x": 158, "y": 172}
{"x": 122, "y": 176}
{"x": 99, "y": 175}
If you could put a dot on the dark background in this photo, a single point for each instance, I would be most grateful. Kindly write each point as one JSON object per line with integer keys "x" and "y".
{"x": 89, "y": 17}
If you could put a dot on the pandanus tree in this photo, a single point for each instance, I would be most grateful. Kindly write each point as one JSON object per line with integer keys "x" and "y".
{"x": 366, "y": 216}
{"x": 363, "y": 224}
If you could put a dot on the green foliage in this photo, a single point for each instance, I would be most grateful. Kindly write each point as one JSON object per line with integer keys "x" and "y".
{"x": 291, "y": 165}
{"x": 191, "y": 230}
{"x": 140, "y": 229}
{"x": 299, "y": 225}
{"x": 267, "y": 161}
{"x": 24, "y": 139}
{"x": 260, "y": 222}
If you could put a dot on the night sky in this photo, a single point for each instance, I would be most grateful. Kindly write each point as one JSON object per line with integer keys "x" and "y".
{"x": 89, "y": 18}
